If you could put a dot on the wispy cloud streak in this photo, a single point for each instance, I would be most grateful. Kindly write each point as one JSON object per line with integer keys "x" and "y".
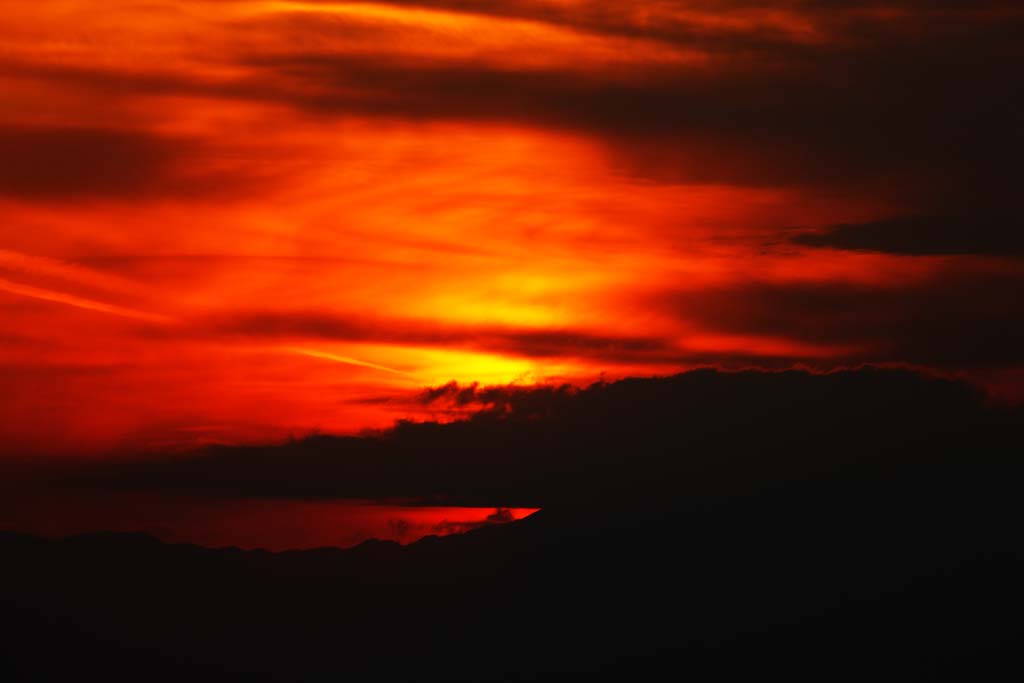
{"x": 81, "y": 302}
{"x": 347, "y": 360}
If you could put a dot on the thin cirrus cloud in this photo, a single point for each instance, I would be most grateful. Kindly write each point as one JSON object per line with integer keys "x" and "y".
{"x": 257, "y": 216}
{"x": 80, "y": 302}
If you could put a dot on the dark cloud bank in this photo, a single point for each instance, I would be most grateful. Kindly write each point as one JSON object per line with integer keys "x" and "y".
{"x": 962, "y": 318}
{"x": 709, "y": 524}
{"x": 979, "y": 234}
{"x": 695, "y": 434}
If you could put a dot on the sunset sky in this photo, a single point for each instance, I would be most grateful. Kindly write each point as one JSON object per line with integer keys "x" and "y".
{"x": 234, "y": 221}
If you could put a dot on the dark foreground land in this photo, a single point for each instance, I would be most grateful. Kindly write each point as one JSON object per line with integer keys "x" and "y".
{"x": 817, "y": 536}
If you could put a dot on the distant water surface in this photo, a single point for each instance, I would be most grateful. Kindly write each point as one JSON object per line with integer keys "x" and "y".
{"x": 248, "y": 523}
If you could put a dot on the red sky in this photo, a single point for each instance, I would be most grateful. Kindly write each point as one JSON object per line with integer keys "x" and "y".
{"x": 231, "y": 221}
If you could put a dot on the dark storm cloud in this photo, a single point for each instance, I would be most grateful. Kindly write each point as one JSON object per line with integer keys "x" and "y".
{"x": 638, "y": 439}
{"x": 926, "y": 235}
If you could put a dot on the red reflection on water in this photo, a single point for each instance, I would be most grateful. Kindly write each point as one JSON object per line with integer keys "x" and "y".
{"x": 246, "y": 523}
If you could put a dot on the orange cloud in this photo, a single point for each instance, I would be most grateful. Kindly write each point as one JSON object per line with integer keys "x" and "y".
{"x": 490, "y": 191}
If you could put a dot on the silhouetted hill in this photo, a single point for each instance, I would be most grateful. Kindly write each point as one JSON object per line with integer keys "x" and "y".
{"x": 864, "y": 525}
{"x": 839, "y": 581}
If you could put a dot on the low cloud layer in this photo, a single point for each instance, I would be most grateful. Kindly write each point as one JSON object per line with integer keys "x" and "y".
{"x": 697, "y": 434}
